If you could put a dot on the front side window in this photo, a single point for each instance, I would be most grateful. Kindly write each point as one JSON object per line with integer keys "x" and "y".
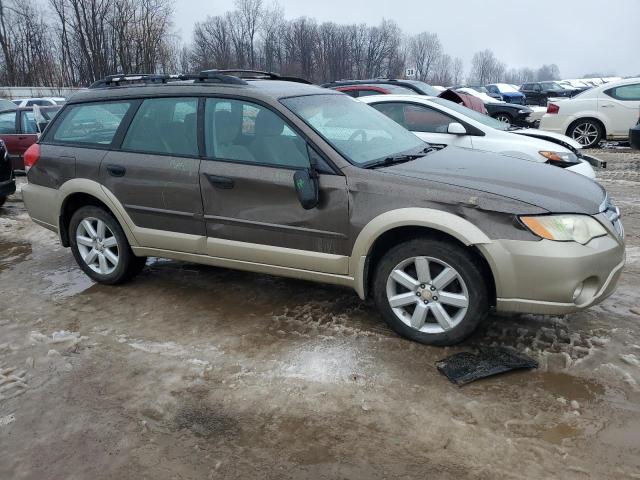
{"x": 91, "y": 123}
{"x": 625, "y": 92}
{"x": 360, "y": 133}
{"x": 7, "y": 123}
{"x": 246, "y": 132}
{"x": 416, "y": 118}
{"x": 165, "y": 126}
{"x": 28, "y": 123}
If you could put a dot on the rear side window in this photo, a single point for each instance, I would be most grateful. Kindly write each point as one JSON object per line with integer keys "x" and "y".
{"x": 626, "y": 92}
{"x": 7, "y": 123}
{"x": 91, "y": 124}
{"x": 165, "y": 126}
{"x": 28, "y": 123}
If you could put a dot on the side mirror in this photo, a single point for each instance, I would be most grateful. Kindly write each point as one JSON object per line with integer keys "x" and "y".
{"x": 306, "y": 185}
{"x": 456, "y": 128}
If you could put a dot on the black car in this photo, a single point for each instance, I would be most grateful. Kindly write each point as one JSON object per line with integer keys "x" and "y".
{"x": 7, "y": 180}
{"x": 538, "y": 93}
{"x": 634, "y": 136}
{"x": 417, "y": 86}
{"x": 511, "y": 113}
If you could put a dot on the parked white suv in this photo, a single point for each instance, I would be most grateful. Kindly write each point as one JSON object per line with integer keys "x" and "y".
{"x": 604, "y": 112}
{"x": 440, "y": 122}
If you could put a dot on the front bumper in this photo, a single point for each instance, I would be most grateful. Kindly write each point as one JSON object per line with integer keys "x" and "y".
{"x": 543, "y": 276}
{"x": 7, "y": 187}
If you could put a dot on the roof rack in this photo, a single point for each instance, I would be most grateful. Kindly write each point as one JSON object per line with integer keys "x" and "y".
{"x": 207, "y": 76}
{"x": 259, "y": 75}
{"x": 229, "y": 77}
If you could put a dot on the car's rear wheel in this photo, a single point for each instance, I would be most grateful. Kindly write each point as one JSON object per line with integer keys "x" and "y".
{"x": 100, "y": 246}
{"x": 504, "y": 118}
{"x": 587, "y": 133}
{"x": 2, "y": 200}
{"x": 431, "y": 291}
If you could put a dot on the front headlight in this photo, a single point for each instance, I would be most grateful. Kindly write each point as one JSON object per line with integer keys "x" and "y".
{"x": 565, "y": 228}
{"x": 560, "y": 157}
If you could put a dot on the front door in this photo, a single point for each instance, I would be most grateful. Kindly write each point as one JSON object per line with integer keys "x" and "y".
{"x": 154, "y": 174}
{"x": 251, "y": 209}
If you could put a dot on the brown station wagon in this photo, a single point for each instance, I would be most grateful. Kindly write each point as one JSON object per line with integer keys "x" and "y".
{"x": 272, "y": 175}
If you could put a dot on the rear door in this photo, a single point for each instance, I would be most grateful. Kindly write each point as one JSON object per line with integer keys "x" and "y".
{"x": 9, "y": 133}
{"x": 251, "y": 209}
{"x": 153, "y": 172}
{"x": 621, "y": 107}
{"x": 28, "y": 131}
{"x": 427, "y": 123}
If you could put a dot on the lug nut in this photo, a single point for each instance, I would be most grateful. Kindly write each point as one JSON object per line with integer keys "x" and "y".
{"x": 422, "y": 285}
{"x": 435, "y": 298}
{"x": 432, "y": 288}
{"x": 417, "y": 294}
{"x": 426, "y": 301}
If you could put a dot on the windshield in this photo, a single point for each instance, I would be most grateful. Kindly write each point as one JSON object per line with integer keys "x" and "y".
{"x": 425, "y": 87}
{"x": 359, "y": 132}
{"x": 477, "y": 116}
{"x": 503, "y": 87}
{"x": 551, "y": 86}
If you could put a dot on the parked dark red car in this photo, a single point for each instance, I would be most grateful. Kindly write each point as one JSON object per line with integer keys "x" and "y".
{"x": 19, "y": 130}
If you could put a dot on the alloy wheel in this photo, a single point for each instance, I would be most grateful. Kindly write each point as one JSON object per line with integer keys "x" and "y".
{"x": 585, "y": 133}
{"x": 97, "y": 245}
{"x": 427, "y": 294}
{"x": 503, "y": 119}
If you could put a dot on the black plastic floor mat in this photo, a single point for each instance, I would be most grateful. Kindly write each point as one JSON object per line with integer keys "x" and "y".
{"x": 465, "y": 367}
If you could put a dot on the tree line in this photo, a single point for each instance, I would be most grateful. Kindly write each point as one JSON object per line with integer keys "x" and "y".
{"x": 75, "y": 42}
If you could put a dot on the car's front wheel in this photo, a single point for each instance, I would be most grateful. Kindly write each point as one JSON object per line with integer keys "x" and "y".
{"x": 504, "y": 118}
{"x": 431, "y": 291}
{"x": 587, "y": 133}
{"x": 100, "y": 246}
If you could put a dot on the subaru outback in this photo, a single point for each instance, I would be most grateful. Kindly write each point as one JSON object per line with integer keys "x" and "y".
{"x": 271, "y": 175}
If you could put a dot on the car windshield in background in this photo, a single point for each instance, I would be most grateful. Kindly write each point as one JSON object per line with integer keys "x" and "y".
{"x": 425, "y": 87}
{"x": 503, "y": 87}
{"x": 477, "y": 116}
{"x": 551, "y": 86}
{"x": 360, "y": 133}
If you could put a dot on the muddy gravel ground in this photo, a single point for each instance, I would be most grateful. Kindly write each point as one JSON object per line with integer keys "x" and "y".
{"x": 193, "y": 372}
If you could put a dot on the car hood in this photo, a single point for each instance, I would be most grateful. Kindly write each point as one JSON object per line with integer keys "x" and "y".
{"x": 558, "y": 138}
{"x": 545, "y": 186}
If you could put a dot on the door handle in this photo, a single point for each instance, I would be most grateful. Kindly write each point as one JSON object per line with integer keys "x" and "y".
{"x": 225, "y": 183}
{"x": 116, "y": 170}
{"x": 607, "y": 105}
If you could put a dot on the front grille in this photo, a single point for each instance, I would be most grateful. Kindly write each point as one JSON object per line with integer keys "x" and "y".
{"x": 613, "y": 215}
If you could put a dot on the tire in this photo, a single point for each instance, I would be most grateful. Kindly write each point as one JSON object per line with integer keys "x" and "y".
{"x": 503, "y": 117}
{"x": 467, "y": 283}
{"x": 111, "y": 260}
{"x": 543, "y": 102}
{"x": 586, "y": 132}
{"x": 2, "y": 200}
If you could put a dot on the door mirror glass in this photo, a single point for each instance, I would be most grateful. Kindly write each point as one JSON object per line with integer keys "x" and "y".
{"x": 306, "y": 185}
{"x": 456, "y": 128}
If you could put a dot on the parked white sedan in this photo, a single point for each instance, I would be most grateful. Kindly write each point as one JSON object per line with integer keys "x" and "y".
{"x": 441, "y": 122}
{"x": 607, "y": 112}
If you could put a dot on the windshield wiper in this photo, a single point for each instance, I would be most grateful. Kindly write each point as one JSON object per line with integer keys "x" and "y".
{"x": 396, "y": 159}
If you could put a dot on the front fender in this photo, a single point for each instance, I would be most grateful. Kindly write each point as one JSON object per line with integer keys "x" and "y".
{"x": 445, "y": 222}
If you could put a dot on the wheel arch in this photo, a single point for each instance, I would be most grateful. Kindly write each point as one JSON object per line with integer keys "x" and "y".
{"x": 78, "y": 193}
{"x": 594, "y": 118}
{"x": 397, "y": 226}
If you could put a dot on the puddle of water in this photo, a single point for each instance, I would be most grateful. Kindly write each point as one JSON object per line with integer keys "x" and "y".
{"x": 67, "y": 282}
{"x": 569, "y": 387}
{"x": 12, "y": 253}
{"x": 560, "y": 432}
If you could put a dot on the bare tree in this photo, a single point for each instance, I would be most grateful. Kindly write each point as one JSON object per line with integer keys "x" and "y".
{"x": 425, "y": 50}
{"x": 457, "y": 71}
{"x": 486, "y": 68}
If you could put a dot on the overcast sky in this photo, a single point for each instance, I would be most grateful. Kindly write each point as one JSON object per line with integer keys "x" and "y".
{"x": 580, "y": 36}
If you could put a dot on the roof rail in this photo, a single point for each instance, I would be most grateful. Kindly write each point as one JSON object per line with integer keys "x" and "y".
{"x": 260, "y": 75}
